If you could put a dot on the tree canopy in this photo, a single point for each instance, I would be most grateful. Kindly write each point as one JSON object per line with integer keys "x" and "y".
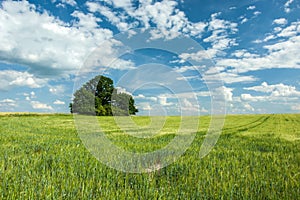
{"x": 98, "y": 96}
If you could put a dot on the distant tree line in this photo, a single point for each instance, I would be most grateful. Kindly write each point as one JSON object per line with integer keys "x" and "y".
{"x": 98, "y": 96}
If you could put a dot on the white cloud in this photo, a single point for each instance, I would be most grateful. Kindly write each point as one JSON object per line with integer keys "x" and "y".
{"x": 7, "y": 104}
{"x": 291, "y": 30}
{"x": 228, "y": 78}
{"x": 57, "y": 90}
{"x": 143, "y": 97}
{"x": 70, "y": 2}
{"x": 287, "y": 8}
{"x": 296, "y": 107}
{"x": 122, "y": 90}
{"x": 32, "y": 94}
{"x": 277, "y": 29}
{"x": 162, "y": 99}
{"x": 227, "y": 92}
{"x": 44, "y": 43}
{"x": 222, "y": 93}
{"x": 63, "y": 3}
{"x": 256, "y": 13}
{"x": 7, "y": 101}
{"x": 220, "y": 24}
{"x": 39, "y": 105}
{"x": 251, "y": 8}
{"x": 113, "y": 17}
{"x": 10, "y": 79}
{"x": 198, "y": 56}
{"x": 58, "y": 102}
{"x": 280, "y": 21}
{"x": 269, "y": 37}
{"x": 244, "y": 20}
{"x": 203, "y": 110}
{"x": 276, "y": 90}
{"x": 169, "y": 20}
{"x": 189, "y": 106}
{"x": 86, "y": 21}
{"x": 126, "y": 4}
{"x": 257, "y": 41}
{"x": 144, "y": 106}
{"x": 139, "y": 96}
{"x": 249, "y": 97}
{"x": 183, "y": 69}
{"x": 277, "y": 94}
{"x": 243, "y": 53}
{"x": 219, "y": 38}
{"x": 248, "y": 107}
{"x": 122, "y": 64}
{"x": 283, "y": 54}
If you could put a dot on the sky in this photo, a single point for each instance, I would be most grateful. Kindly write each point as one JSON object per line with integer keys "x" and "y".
{"x": 171, "y": 56}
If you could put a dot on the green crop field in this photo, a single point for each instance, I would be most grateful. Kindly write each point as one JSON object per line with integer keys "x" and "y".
{"x": 256, "y": 157}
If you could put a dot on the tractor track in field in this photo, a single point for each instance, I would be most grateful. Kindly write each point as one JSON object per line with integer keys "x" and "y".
{"x": 246, "y": 127}
{"x": 250, "y": 125}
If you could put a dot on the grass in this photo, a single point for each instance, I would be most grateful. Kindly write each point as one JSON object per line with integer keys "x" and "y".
{"x": 256, "y": 157}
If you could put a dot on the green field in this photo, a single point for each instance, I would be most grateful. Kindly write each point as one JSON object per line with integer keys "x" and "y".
{"x": 256, "y": 157}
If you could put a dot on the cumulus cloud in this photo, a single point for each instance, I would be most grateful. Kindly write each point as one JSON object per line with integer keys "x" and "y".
{"x": 168, "y": 19}
{"x": 256, "y": 13}
{"x": 276, "y": 90}
{"x": 70, "y": 2}
{"x": 249, "y": 97}
{"x": 122, "y": 90}
{"x": 8, "y": 104}
{"x": 62, "y": 3}
{"x": 119, "y": 21}
{"x": 277, "y": 94}
{"x": 58, "y": 102}
{"x": 145, "y": 98}
{"x": 295, "y": 107}
{"x": 40, "y": 106}
{"x": 183, "y": 69}
{"x": 251, "y": 8}
{"x": 29, "y": 96}
{"x": 187, "y": 105}
{"x": 11, "y": 78}
{"x": 144, "y": 106}
{"x": 198, "y": 56}
{"x": 220, "y": 31}
{"x": 162, "y": 100}
{"x": 287, "y": 8}
{"x": 57, "y": 89}
{"x": 248, "y": 107}
{"x": 291, "y": 30}
{"x": 280, "y": 21}
{"x": 7, "y": 101}
{"x": 243, "y": 53}
{"x": 244, "y": 20}
{"x": 227, "y": 92}
{"x": 283, "y": 54}
{"x": 228, "y": 78}
{"x": 47, "y": 45}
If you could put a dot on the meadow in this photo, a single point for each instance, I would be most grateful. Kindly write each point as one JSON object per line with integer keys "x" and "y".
{"x": 256, "y": 157}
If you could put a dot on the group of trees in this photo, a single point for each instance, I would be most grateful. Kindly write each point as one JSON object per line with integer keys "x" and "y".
{"x": 98, "y": 96}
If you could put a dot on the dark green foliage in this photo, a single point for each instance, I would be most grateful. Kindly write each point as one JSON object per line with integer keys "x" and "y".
{"x": 99, "y": 97}
{"x": 121, "y": 103}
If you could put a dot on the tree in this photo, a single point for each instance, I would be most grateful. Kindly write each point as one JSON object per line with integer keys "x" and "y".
{"x": 98, "y": 96}
{"x": 122, "y": 104}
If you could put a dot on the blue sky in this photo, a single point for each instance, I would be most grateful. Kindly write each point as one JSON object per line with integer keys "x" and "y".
{"x": 249, "y": 48}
